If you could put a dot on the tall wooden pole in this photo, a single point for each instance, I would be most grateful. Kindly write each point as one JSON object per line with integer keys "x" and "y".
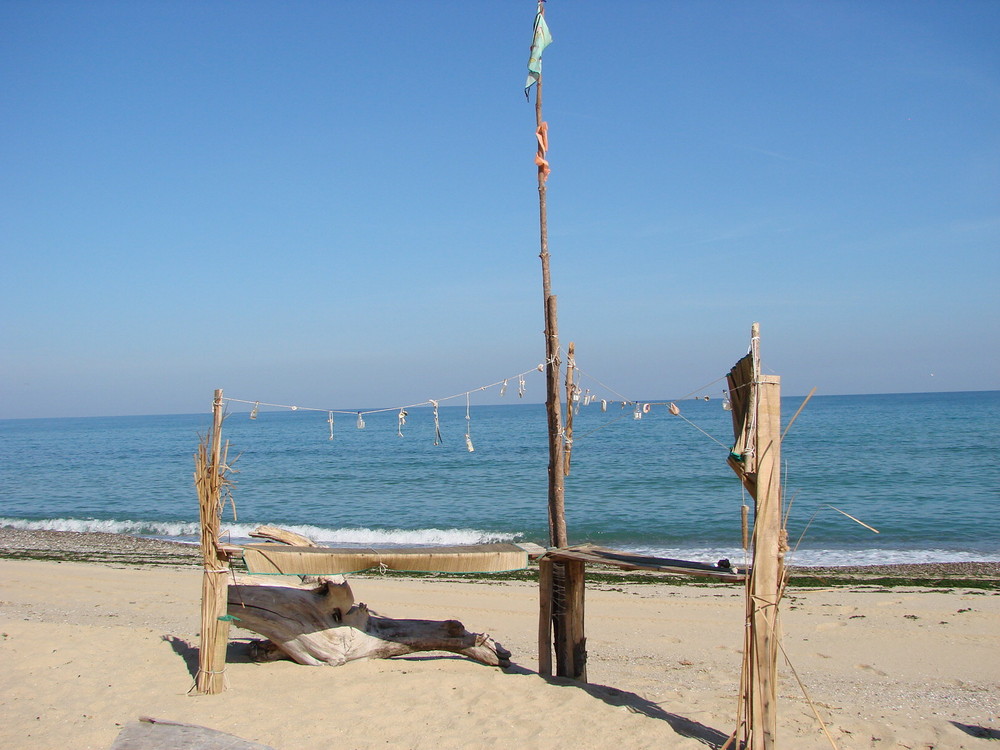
{"x": 556, "y": 611}
{"x": 214, "y": 589}
{"x": 767, "y": 575}
{"x": 557, "y": 497}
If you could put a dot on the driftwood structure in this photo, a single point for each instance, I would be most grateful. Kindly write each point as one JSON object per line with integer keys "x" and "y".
{"x": 570, "y": 642}
{"x": 756, "y": 458}
{"x": 317, "y": 621}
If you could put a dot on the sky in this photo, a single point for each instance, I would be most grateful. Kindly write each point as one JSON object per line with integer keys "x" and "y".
{"x": 335, "y": 204}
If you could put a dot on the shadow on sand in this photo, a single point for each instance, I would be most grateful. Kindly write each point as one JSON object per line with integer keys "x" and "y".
{"x": 713, "y": 738}
{"x": 975, "y": 730}
{"x": 683, "y": 726}
{"x": 237, "y": 653}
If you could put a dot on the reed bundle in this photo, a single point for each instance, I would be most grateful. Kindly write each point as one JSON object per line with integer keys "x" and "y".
{"x": 213, "y": 486}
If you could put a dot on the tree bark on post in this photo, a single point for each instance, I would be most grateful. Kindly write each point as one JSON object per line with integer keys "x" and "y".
{"x": 557, "y": 507}
{"x": 556, "y": 604}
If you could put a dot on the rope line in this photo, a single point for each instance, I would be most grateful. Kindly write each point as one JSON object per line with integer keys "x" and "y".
{"x": 641, "y": 407}
{"x": 360, "y": 414}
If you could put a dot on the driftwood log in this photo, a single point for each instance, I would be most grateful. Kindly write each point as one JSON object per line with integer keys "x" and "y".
{"x": 317, "y": 622}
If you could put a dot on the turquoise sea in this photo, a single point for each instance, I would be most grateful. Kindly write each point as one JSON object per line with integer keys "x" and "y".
{"x": 919, "y": 468}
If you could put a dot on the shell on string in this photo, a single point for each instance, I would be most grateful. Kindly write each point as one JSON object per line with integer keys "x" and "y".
{"x": 437, "y": 423}
{"x": 468, "y": 424}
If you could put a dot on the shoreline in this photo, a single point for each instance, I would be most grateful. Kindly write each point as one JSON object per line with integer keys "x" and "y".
{"x": 122, "y": 549}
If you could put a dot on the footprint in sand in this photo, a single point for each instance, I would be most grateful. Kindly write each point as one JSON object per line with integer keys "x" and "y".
{"x": 829, "y": 626}
{"x": 870, "y": 668}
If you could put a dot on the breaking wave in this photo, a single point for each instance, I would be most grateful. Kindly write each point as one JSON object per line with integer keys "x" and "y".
{"x": 189, "y": 531}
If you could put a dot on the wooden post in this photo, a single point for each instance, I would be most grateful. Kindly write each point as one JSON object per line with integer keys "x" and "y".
{"x": 768, "y": 568}
{"x": 576, "y": 641}
{"x": 557, "y": 494}
{"x": 557, "y": 509}
{"x": 214, "y": 589}
{"x": 553, "y": 605}
{"x": 545, "y": 617}
{"x": 756, "y": 459}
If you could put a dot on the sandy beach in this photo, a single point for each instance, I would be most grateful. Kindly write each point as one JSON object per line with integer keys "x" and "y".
{"x": 89, "y": 647}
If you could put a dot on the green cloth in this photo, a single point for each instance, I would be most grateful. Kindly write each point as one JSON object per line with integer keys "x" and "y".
{"x": 540, "y": 39}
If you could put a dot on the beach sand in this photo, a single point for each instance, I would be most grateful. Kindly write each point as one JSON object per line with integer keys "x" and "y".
{"x": 88, "y": 647}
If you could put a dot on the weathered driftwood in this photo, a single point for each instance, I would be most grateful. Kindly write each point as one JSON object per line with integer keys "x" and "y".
{"x": 277, "y": 534}
{"x": 317, "y": 622}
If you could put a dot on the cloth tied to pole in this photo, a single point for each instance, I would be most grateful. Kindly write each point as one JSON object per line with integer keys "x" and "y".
{"x": 542, "y": 135}
{"x": 540, "y": 39}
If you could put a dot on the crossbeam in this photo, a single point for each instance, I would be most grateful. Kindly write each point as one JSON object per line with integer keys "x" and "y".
{"x": 283, "y": 559}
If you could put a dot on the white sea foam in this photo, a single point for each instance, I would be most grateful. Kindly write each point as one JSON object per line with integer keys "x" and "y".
{"x": 365, "y": 537}
{"x": 240, "y": 532}
{"x": 816, "y": 558}
{"x": 166, "y": 529}
{"x": 368, "y": 537}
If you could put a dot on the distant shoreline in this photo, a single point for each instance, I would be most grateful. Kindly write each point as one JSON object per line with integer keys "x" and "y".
{"x": 121, "y": 549}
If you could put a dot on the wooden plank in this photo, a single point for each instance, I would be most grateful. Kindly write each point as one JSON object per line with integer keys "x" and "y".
{"x": 545, "y": 617}
{"x": 576, "y": 639}
{"x": 534, "y": 550}
{"x": 625, "y": 561}
{"x": 768, "y": 568}
{"x": 281, "y": 559}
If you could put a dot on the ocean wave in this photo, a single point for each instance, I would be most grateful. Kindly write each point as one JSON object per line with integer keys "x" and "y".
{"x": 162, "y": 529}
{"x": 365, "y": 537}
{"x": 186, "y": 531}
{"x": 240, "y": 532}
{"x": 830, "y": 557}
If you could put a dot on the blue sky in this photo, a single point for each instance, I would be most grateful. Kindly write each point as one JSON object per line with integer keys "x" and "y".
{"x": 334, "y": 204}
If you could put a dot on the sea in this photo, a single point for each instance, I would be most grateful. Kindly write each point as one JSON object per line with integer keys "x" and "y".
{"x": 869, "y": 479}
